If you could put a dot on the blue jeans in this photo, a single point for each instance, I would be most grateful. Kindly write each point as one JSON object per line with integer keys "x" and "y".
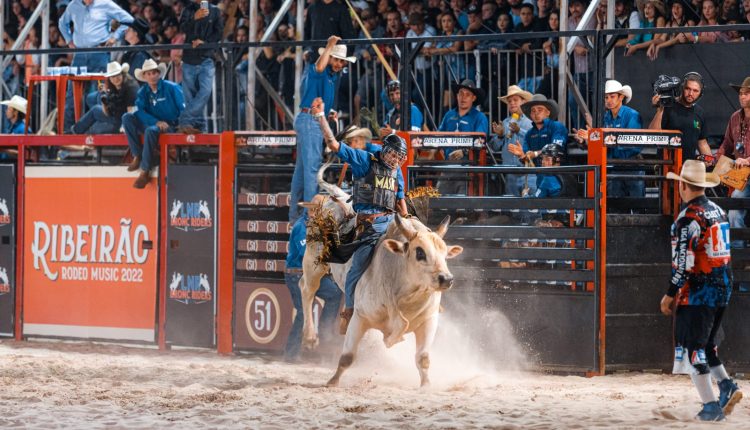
{"x": 147, "y": 151}
{"x": 309, "y": 157}
{"x": 362, "y": 256}
{"x": 96, "y": 121}
{"x": 94, "y": 62}
{"x": 197, "y": 81}
{"x": 330, "y": 293}
{"x": 629, "y": 188}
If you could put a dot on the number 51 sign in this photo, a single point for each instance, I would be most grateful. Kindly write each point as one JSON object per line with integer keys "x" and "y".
{"x": 264, "y": 316}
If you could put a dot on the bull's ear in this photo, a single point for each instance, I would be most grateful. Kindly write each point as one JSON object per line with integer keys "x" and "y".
{"x": 443, "y": 227}
{"x": 454, "y": 251}
{"x": 395, "y": 246}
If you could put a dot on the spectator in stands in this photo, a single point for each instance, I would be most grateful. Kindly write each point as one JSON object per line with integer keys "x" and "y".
{"x": 422, "y": 64}
{"x": 686, "y": 116}
{"x": 320, "y": 80}
{"x": 176, "y": 37}
{"x": 328, "y": 291}
{"x": 15, "y": 113}
{"x": 678, "y": 19}
{"x": 543, "y": 9}
{"x": 459, "y": 11}
{"x": 530, "y": 64}
{"x": 736, "y": 144}
{"x": 394, "y": 28}
{"x": 545, "y": 130}
{"x": 504, "y": 24}
{"x": 392, "y": 120}
{"x": 582, "y": 75}
{"x": 86, "y": 24}
{"x": 137, "y": 35}
{"x": 626, "y": 17}
{"x": 31, "y": 62}
{"x": 730, "y": 11}
{"x": 653, "y": 17}
{"x": 200, "y": 25}
{"x": 327, "y": 18}
{"x": 476, "y": 26}
{"x": 453, "y": 66}
{"x": 117, "y": 98}
{"x": 158, "y": 108}
{"x": 552, "y": 48}
{"x": 745, "y": 19}
{"x": 512, "y": 131}
{"x": 370, "y": 20}
{"x": 710, "y": 16}
{"x": 515, "y": 11}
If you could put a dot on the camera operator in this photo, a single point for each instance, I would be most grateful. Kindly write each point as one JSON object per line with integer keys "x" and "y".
{"x": 682, "y": 113}
{"x": 117, "y": 97}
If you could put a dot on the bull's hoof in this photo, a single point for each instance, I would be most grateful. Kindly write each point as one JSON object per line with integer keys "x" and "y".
{"x": 333, "y": 382}
{"x": 310, "y": 343}
{"x": 425, "y": 384}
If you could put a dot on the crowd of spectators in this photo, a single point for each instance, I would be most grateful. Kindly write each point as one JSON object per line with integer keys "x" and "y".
{"x": 157, "y": 22}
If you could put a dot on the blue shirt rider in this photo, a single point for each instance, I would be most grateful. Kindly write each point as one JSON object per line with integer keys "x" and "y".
{"x": 377, "y": 194}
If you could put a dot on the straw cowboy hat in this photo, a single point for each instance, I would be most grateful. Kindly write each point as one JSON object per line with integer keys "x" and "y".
{"x": 16, "y": 102}
{"x": 745, "y": 84}
{"x": 540, "y": 100}
{"x": 149, "y": 65}
{"x": 515, "y": 90}
{"x": 613, "y": 86}
{"x": 355, "y": 131}
{"x": 114, "y": 68}
{"x": 468, "y": 84}
{"x": 694, "y": 173}
{"x": 339, "y": 51}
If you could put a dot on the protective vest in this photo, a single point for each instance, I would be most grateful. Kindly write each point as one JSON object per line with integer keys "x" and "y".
{"x": 378, "y": 187}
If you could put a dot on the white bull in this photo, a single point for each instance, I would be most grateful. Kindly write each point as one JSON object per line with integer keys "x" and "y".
{"x": 400, "y": 291}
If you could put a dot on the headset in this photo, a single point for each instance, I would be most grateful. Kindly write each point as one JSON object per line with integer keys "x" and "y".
{"x": 692, "y": 76}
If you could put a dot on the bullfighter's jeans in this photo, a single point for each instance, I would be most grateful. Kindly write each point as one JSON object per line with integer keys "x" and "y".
{"x": 309, "y": 157}
{"x": 330, "y": 293}
{"x": 362, "y": 256}
{"x": 147, "y": 151}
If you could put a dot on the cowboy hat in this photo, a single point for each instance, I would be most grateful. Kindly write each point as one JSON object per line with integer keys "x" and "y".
{"x": 540, "y": 100}
{"x": 515, "y": 90}
{"x": 694, "y": 173}
{"x": 16, "y": 102}
{"x": 149, "y": 65}
{"x": 355, "y": 131}
{"x": 114, "y": 68}
{"x": 468, "y": 84}
{"x": 339, "y": 51}
{"x": 745, "y": 84}
{"x": 612, "y": 86}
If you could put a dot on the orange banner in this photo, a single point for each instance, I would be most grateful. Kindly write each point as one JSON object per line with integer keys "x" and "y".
{"x": 90, "y": 260}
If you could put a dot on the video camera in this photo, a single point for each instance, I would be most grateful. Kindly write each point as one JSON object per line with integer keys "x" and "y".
{"x": 668, "y": 89}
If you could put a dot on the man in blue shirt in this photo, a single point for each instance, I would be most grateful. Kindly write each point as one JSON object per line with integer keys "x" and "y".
{"x": 328, "y": 291}
{"x": 616, "y": 96}
{"x": 393, "y": 116}
{"x": 464, "y": 117}
{"x": 377, "y": 193}
{"x": 512, "y": 131}
{"x": 91, "y": 22}
{"x": 544, "y": 131}
{"x": 157, "y": 108}
{"x": 15, "y": 112}
{"x": 320, "y": 81}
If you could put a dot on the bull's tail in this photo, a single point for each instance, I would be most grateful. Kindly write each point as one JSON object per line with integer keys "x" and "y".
{"x": 331, "y": 189}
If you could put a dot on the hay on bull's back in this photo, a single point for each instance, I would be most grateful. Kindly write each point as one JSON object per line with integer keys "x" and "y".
{"x": 322, "y": 228}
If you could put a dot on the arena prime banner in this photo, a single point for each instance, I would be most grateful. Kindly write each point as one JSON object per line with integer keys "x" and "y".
{"x": 7, "y": 248}
{"x": 90, "y": 259}
{"x": 191, "y": 255}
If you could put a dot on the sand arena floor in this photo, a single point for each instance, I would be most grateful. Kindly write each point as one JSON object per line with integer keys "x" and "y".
{"x": 82, "y": 385}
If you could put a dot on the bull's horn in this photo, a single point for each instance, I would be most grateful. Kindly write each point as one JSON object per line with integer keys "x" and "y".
{"x": 407, "y": 230}
{"x": 443, "y": 227}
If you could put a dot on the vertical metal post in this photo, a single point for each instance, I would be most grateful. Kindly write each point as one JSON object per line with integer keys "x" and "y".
{"x": 44, "y": 60}
{"x": 610, "y": 24}
{"x": 2, "y": 63}
{"x": 562, "y": 85}
{"x": 405, "y": 78}
{"x": 229, "y": 88}
{"x": 250, "y": 96}
{"x": 598, "y": 103}
{"x": 298, "y": 64}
